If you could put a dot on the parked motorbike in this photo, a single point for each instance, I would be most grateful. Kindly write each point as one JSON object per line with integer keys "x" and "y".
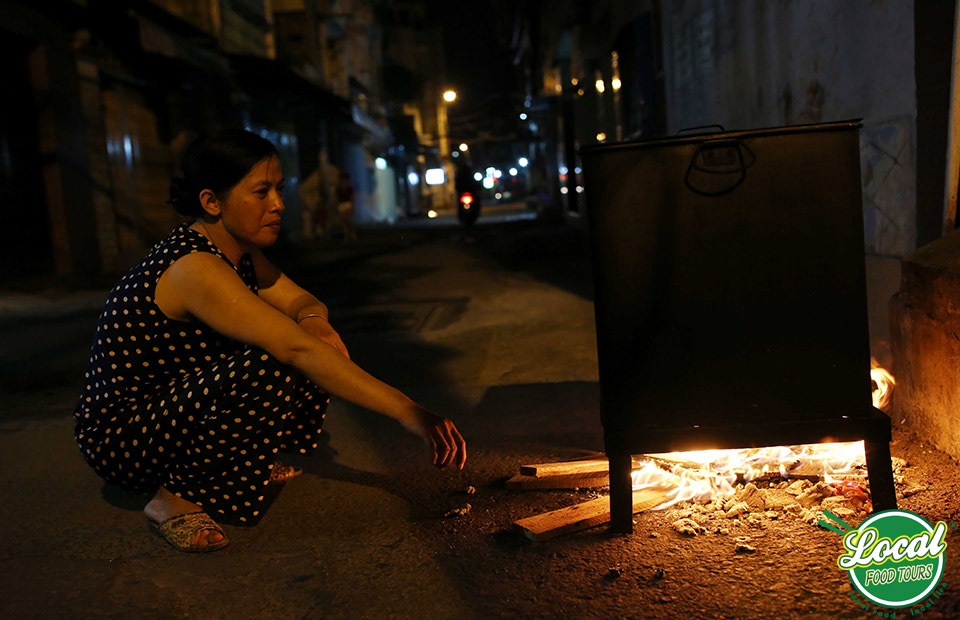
{"x": 468, "y": 209}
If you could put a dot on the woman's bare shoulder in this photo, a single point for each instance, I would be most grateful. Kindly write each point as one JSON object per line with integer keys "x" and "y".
{"x": 188, "y": 276}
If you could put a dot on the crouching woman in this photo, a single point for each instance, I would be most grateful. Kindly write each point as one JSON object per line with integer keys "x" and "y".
{"x": 207, "y": 360}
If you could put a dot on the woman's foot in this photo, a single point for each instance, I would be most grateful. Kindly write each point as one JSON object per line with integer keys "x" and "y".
{"x": 282, "y": 473}
{"x": 165, "y": 505}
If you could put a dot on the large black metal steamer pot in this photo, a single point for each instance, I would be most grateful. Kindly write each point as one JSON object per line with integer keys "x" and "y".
{"x": 730, "y": 296}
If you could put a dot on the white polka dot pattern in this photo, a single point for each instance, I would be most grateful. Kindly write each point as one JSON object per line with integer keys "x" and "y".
{"x": 176, "y": 404}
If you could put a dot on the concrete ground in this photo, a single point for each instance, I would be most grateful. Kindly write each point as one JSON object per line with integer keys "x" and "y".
{"x": 493, "y": 328}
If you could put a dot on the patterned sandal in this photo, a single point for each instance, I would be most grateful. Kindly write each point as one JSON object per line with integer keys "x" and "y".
{"x": 181, "y": 530}
{"x": 281, "y": 473}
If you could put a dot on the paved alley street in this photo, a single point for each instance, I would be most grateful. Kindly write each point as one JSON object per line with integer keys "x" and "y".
{"x": 493, "y": 328}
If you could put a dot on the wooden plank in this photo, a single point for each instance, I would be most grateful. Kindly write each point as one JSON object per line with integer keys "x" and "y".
{"x": 562, "y": 468}
{"x": 598, "y": 465}
{"x": 568, "y": 481}
{"x": 582, "y": 516}
{"x": 667, "y": 459}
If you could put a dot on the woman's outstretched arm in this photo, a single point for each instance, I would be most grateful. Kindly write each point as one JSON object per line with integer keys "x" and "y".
{"x": 203, "y": 287}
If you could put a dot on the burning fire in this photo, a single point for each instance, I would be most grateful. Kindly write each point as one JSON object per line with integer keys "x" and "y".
{"x": 708, "y": 474}
{"x": 883, "y": 383}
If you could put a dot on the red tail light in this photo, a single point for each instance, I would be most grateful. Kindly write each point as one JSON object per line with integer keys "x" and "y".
{"x": 466, "y": 198}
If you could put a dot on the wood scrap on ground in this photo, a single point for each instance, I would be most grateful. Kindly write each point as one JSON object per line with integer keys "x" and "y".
{"x": 568, "y": 481}
{"x": 582, "y": 516}
{"x": 561, "y": 468}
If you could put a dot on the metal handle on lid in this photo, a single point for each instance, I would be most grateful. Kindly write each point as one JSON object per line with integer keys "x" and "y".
{"x": 718, "y": 157}
{"x": 713, "y": 126}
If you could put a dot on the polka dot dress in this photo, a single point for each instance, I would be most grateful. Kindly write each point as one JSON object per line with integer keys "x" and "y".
{"x": 175, "y": 404}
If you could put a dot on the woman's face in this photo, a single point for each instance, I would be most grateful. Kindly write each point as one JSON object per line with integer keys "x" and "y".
{"x": 251, "y": 213}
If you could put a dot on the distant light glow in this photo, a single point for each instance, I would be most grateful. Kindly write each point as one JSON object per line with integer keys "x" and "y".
{"x": 615, "y": 83}
{"x": 523, "y": 161}
{"x": 601, "y": 137}
{"x": 431, "y": 214}
{"x": 380, "y": 163}
{"x": 497, "y": 174}
{"x": 498, "y": 195}
{"x": 489, "y": 182}
{"x": 435, "y": 176}
{"x": 580, "y": 92}
{"x": 477, "y": 176}
{"x": 564, "y": 190}
{"x": 523, "y": 116}
{"x": 513, "y": 172}
{"x": 577, "y": 170}
{"x": 600, "y": 86}
{"x": 455, "y": 154}
{"x": 413, "y": 178}
{"x": 450, "y": 96}
{"x": 579, "y": 189}
{"x": 464, "y": 147}
{"x": 564, "y": 170}
{"x": 574, "y": 81}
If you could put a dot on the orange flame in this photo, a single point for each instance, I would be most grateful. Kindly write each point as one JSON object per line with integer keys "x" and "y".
{"x": 883, "y": 384}
{"x": 708, "y": 474}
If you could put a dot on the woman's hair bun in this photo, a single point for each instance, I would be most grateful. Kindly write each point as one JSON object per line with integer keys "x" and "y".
{"x": 178, "y": 197}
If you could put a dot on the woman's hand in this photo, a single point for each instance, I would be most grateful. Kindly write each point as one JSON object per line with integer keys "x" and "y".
{"x": 442, "y": 437}
{"x": 320, "y": 328}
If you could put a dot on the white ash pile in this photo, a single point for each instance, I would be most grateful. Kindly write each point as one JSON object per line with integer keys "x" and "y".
{"x": 804, "y": 499}
{"x": 752, "y": 504}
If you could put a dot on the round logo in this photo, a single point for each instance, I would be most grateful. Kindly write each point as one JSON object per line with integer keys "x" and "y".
{"x": 895, "y": 558}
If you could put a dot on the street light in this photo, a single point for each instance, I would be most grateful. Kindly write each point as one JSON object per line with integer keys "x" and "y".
{"x": 615, "y": 83}
{"x": 598, "y": 76}
{"x": 449, "y": 96}
{"x": 463, "y": 147}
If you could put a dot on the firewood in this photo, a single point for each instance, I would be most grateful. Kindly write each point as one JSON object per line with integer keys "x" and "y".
{"x": 561, "y": 468}
{"x": 569, "y": 481}
{"x": 666, "y": 460}
{"x": 582, "y": 516}
{"x": 588, "y": 465}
